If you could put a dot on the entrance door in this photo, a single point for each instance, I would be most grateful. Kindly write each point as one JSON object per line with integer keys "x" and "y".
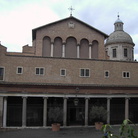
{"x": 76, "y": 114}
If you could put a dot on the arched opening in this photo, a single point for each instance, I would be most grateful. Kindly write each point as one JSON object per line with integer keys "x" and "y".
{"x": 94, "y": 49}
{"x": 71, "y": 48}
{"x": 57, "y": 49}
{"x": 46, "y": 50}
{"x": 84, "y": 48}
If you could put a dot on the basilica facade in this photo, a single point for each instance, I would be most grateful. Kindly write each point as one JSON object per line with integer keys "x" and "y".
{"x": 70, "y": 65}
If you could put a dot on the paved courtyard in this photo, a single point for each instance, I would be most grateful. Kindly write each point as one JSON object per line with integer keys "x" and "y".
{"x": 73, "y": 132}
{"x": 89, "y": 132}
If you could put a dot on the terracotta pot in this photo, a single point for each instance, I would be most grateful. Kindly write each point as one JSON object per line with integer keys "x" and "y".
{"x": 55, "y": 127}
{"x": 98, "y": 125}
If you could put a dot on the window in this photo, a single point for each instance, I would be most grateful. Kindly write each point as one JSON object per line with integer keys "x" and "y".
{"x": 125, "y": 52}
{"x": 62, "y": 72}
{"x": 126, "y": 74}
{"x": 106, "y": 74}
{"x": 19, "y": 70}
{"x": 114, "y": 53}
{"x": 1, "y": 73}
{"x": 39, "y": 71}
{"x": 84, "y": 73}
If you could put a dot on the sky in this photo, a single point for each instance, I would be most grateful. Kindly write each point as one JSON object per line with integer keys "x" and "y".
{"x": 19, "y": 17}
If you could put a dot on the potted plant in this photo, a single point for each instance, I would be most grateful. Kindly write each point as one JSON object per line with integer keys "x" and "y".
{"x": 55, "y": 115}
{"x": 98, "y": 114}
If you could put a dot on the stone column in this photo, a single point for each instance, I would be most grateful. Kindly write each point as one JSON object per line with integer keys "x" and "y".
{"x": 126, "y": 108}
{"x": 45, "y": 112}
{"x": 5, "y": 112}
{"x": 63, "y": 50}
{"x": 78, "y": 51}
{"x": 65, "y": 112}
{"x": 86, "y": 111}
{"x": 1, "y": 111}
{"x": 24, "y": 111}
{"x": 108, "y": 110}
{"x": 90, "y": 50}
{"x": 52, "y": 46}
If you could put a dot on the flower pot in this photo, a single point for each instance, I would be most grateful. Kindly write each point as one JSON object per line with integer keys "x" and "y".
{"x": 55, "y": 127}
{"x": 98, "y": 125}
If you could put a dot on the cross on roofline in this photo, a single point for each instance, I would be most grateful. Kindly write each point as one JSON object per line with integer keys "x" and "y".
{"x": 71, "y": 9}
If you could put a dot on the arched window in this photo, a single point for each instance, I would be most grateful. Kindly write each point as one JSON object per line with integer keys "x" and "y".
{"x": 84, "y": 48}
{"x": 57, "y": 49}
{"x": 94, "y": 52}
{"x": 71, "y": 48}
{"x": 46, "y": 50}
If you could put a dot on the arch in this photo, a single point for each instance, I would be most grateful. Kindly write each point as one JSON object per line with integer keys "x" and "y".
{"x": 94, "y": 49}
{"x": 84, "y": 48}
{"x": 57, "y": 49}
{"x": 46, "y": 50}
{"x": 71, "y": 47}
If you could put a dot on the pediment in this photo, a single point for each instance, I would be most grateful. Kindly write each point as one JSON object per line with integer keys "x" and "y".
{"x": 69, "y": 25}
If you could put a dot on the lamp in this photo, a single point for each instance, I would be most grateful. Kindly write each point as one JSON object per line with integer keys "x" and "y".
{"x": 76, "y": 100}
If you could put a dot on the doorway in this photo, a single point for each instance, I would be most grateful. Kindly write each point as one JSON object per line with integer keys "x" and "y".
{"x": 76, "y": 113}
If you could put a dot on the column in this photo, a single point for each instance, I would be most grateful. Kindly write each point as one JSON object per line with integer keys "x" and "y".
{"x": 24, "y": 110}
{"x": 86, "y": 111}
{"x": 52, "y": 45}
{"x": 63, "y": 50}
{"x": 45, "y": 112}
{"x": 78, "y": 51}
{"x": 5, "y": 112}
{"x": 90, "y": 50}
{"x": 65, "y": 112}
{"x": 126, "y": 108}
{"x": 1, "y": 111}
{"x": 108, "y": 110}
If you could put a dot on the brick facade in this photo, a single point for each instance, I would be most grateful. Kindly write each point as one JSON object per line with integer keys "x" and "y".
{"x": 86, "y": 46}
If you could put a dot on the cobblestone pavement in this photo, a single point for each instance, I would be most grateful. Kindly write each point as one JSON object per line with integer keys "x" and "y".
{"x": 75, "y": 132}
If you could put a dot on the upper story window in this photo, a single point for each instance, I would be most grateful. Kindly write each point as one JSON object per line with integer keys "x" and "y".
{"x": 126, "y": 74}
{"x": 39, "y": 71}
{"x": 106, "y": 74}
{"x": 19, "y": 70}
{"x": 114, "y": 53}
{"x": 84, "y": 72}
{"x": 1, "y": 73}
{"x": 125, "y": 52}
{"x": 62, "y": 72}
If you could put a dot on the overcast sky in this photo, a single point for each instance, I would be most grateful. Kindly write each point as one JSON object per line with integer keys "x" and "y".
{"x": 19, "y": 17}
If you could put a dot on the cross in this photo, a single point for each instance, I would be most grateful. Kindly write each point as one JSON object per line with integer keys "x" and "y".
{"x": 71, "y": 9}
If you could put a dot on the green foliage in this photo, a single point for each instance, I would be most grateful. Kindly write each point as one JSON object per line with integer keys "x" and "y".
{"x": 55, "y": 114}
{"x": 126, "y": 130}
{"x": 98, "y": 114}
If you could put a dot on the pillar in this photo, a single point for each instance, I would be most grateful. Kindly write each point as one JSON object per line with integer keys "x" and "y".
{"x": 52, "y": 46}
{"x": 90, "y": 51}
{"x": 86, "y": 111}
{"x": 45, "y": 112}
{"x": 24, "y": 110}
{"x": 127, "y": 108}
{"x": 1, "y": 110}
{"x": 63, "y": 50}
{"x": 5, "y": 112}
{"x": 65, "y": 112}
{"x": 78, "y": 51}
{"x": 108, "y": 110}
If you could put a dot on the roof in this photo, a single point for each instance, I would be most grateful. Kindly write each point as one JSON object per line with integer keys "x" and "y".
{"x": 71, "y": 17}
{"x": 67, "y": 85}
